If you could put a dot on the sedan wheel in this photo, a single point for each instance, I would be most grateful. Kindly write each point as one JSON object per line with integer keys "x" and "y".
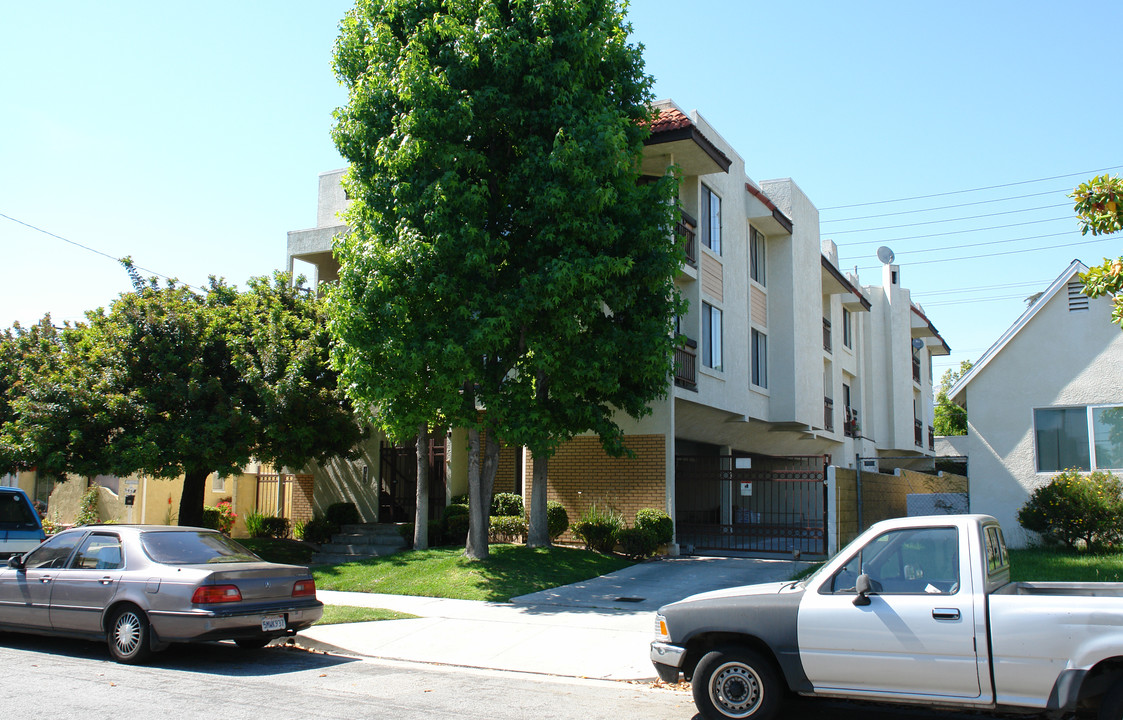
{"x": 128, "y": 636}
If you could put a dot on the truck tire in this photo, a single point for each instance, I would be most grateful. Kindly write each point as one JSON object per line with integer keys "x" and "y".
{"x": 1111, "y": 708}
{"x": 736, "y": 682}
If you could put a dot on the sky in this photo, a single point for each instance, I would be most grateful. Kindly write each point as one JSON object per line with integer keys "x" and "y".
{"x": 189, "y": 136}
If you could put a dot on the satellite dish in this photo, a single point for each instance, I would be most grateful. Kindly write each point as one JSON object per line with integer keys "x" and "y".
{"x": 885, "y": 255}
{"x": 917, "y": 343}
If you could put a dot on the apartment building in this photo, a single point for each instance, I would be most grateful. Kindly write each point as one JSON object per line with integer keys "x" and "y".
{"x": 786, "y": 366}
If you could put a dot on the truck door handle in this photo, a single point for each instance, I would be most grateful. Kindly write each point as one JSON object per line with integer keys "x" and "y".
{"x": 44, "y": 579}
{"x": 106, "y": 581}
{"x": 945, "y": 613}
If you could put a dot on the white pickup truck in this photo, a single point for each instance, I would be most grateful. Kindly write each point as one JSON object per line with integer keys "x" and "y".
{"x": 915, "y": 610}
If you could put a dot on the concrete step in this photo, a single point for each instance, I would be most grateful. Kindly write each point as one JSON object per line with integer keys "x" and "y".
{"x": 362, "y": 548}
{"x": 360, "y": 542}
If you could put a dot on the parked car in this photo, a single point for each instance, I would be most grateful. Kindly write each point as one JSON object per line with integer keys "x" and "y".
{"x": 21, "y": 529}
{"x": 141, "y": 588}
{"x": 915, "y": 610}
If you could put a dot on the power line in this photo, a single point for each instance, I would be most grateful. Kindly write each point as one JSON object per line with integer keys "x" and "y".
{"x": 945, "y": 207}
{"x": 1008, "y": 252}
{"x": 979, "y": 244}
{"x": 93, "y": 250}
{"x": 939, "y": 303}
{"x": 960, "y": 192}
{"x": 929, "y": 293}
{"x": 947, "y": 220}
{"x": 1070, "y": 218}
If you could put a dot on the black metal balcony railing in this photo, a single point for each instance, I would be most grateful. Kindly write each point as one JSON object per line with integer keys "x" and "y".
{"x": 931, "y": 439}
{"x": 852, "y": 428}
{"x": 828, "y": 414}
{"x": 826, "y": 335}
{"x": 686, "y": 368}
{"x": 685, "y": 232}
{"x": 916, "y": 369}
{"x": 918, "y": 433}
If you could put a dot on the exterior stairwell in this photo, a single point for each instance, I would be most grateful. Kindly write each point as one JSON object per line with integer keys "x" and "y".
{"x": 360, "y": 542}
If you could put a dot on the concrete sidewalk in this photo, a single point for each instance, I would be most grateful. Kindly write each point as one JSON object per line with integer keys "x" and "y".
{"x": 599, "y": 628}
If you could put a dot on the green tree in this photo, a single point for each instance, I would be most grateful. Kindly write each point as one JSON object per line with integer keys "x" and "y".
{"x": 950, "y": 418}
{"x": 1099, "y": 208}
{"x": 504, "y": 264}
{"x": 171, "y": 382}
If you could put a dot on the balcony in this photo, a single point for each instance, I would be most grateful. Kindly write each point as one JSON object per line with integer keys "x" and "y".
{"x": 827, "y": 335}
{"x": 686, "y": 235}
{"x": 686, "y": 368}
{"x": 852, "y": 427}
{"x": 918, "y": 433}
{"x": 931, "y": 439}
{"x": 828, "y": 414}
{"x": 916, "y": 370}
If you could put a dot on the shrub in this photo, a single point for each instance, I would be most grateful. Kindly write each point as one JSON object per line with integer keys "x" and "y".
{"x": 454, "y": 524}
{"x": 219, "y": 518}
{"x": 87, "y": 508}
{"x": 598, "y": 527}
{"x": 406, "y": 531}
{"x": 1077, "y": 509}
{"x": 507, "y": 504}
{"x": 638, "y": 542}
{"x": 507, "y": 528}
{"x": 557, "y": 519}
{"x": 343, "y": 513}
{"x": 276, "y": 527}
{"x": 658, "y": 523}
{"x": 317, "y": 530}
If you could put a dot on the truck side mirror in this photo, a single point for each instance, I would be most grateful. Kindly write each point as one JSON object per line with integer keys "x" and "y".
{"x": 862, "y": 585}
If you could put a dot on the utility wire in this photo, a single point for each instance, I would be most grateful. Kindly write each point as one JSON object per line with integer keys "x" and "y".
{"x": 929, "y": 293}
{"x": 93, "y": 250}
{"x": 945, "y": 207}
{"x": 1070, "y": 218}
{"x": 976, "y": 244}
{"x": 960, "y": 192}
{"x": 947, "y": 220}
{"x": 1008, "y": 252}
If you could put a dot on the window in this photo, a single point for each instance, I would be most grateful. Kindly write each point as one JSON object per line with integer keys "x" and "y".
{"x": 99, "y": 552}
{"x": 847, "y": 331}
{"x": 997, "y": 559}
{"x": 759, "y": 352}
{"x": 756, "y": 255}
{"x": 711, "y": 220}
{"x": 53, "y": 553}
{"x": 711, "y": 336}
{"x": 908, "y": 561}
{"x": 1083, "y": 438}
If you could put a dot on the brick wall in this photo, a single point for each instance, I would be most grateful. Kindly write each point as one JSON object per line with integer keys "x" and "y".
{"x": 301, "y": 504}
{"x": 581, "y": 473}
{"x": 884, "y": 496}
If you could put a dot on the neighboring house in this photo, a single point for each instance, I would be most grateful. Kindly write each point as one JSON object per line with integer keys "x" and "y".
{"x": 787, "y": 365}
{"x": 1048, "y": 395}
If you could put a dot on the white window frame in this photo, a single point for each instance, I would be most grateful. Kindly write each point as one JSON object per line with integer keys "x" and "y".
{"x": 711, "y": 337}
{"x": 711, "y": 225}
{"x": 1089, "y": 411}
{"x": 758, "y": 370}
{"x": 758, "y": 264}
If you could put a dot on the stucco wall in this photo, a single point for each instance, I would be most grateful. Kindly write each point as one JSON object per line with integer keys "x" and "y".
{"x": 1059, "y": 358}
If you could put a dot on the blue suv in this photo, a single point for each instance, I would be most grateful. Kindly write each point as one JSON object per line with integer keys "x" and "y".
{"x": 20, "y": 528}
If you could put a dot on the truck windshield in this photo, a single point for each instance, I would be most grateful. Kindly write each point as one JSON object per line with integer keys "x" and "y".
{"x": 16, "y": 513}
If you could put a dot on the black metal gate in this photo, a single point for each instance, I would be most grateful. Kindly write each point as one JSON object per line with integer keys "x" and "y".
{"x": 397, "y": 500}
{"x": 757, "y": 503}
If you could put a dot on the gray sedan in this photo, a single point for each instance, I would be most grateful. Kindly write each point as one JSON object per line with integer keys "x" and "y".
{"x": 143, "y": 587}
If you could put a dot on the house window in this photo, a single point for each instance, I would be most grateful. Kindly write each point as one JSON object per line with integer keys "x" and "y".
{"x": 711, "y": 336}
{"x": 218, "y": 484}
{"x": 847, "y": 331}
{"x": 711, "y": 220}
{"x": 756, "y": 255}
{"x": 1081, "y": 438}
{"x": 759, "y": 352}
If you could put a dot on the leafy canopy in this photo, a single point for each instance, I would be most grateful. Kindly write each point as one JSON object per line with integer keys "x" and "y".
{"x": 1099, "y": 208}
{"x": 950, "y": 419}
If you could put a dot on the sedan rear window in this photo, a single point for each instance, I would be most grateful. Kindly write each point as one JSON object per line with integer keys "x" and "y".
{"x": 193, "y": 548}
{"x": 15, "y": 513}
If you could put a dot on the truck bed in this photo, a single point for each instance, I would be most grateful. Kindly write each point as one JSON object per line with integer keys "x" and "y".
{"x": 1066, "y": 589}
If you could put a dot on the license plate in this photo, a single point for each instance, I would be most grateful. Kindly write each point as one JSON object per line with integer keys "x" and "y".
{"x": 270, "y": 623}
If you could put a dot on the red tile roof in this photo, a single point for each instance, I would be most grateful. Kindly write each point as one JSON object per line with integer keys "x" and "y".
{"x": 670, "y": 119}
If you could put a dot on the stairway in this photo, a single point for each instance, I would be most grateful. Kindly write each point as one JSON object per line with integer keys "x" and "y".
{"x": 360, "y": 542}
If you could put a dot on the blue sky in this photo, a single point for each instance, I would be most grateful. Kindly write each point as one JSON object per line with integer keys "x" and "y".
{"x": 190, "y": 136}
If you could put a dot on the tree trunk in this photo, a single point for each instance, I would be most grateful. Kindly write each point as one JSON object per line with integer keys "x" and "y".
{"x": 538, "y": 533}
{"x": 191, "y": 501}
{"x": 481, "y": 481}
{"x": 421, "y": 518}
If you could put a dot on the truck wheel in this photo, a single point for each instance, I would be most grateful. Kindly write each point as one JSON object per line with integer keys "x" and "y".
{"x": 735, "y": 682}
{"x": 128, "y": 636}
{"x": 1112, "y": 706}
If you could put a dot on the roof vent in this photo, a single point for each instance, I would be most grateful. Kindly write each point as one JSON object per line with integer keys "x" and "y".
{"x": 1077, "y": 300}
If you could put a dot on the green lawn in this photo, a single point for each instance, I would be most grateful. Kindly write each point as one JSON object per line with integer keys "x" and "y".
{"x": 510, "y": 571}
{"x": 1056, "y": 565}
{"x": 336, "y": 614}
